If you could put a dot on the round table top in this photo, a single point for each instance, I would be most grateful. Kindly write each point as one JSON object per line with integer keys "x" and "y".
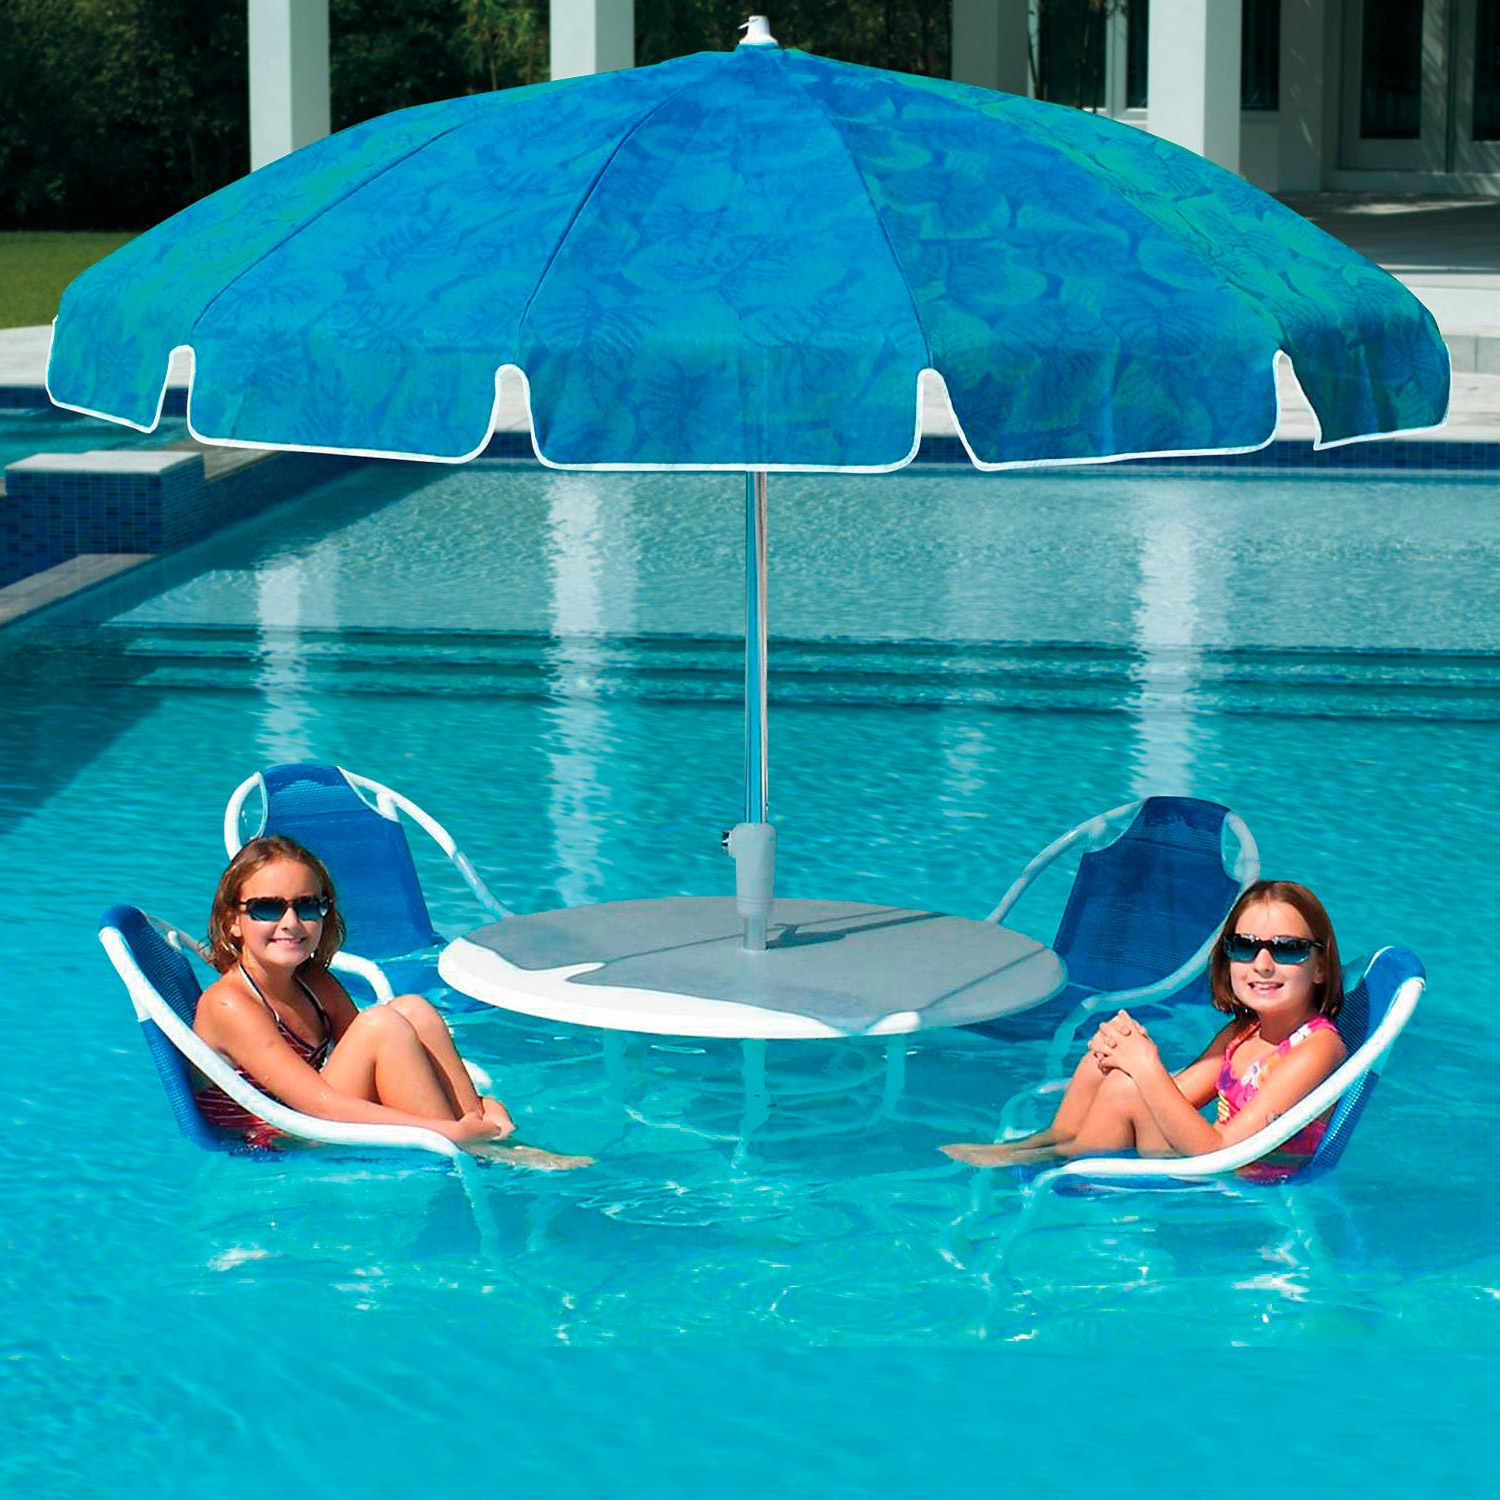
{"x": 675, "y": 967}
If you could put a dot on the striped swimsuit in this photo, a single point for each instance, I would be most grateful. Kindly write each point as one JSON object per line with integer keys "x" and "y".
{"x": 222, "y": 1112}
{"x": 1235, "y": 1093}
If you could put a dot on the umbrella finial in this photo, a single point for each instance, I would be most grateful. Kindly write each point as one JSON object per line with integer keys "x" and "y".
{"x": 758, "y": 33}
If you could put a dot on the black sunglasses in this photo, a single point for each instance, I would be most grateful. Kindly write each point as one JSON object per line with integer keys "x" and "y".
{"x": 1241, "y": 948}
{"x": 273, "y": 908}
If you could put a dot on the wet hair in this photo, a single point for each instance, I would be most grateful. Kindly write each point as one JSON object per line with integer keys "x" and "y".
{"x": 1328, "y": 993}
{"x": 256, "y": 855}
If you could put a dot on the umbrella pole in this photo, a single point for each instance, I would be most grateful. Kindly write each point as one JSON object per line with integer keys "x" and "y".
{"x": 753, "y": 842}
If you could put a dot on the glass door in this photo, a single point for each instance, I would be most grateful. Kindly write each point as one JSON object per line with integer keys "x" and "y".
{"x": 1476, "y": 87}
{"x": 1426, "y": 85}
{"x": 1395, "y": 117}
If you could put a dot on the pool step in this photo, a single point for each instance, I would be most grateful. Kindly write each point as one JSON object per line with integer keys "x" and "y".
{"x": 1027, "y": 676}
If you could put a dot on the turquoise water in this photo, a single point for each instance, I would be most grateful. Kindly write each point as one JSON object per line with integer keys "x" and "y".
{"x": 961, "y": 668}
{"x": 48, "y": 430}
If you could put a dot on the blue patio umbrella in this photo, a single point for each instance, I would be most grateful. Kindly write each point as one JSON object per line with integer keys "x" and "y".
{"x": 746, "y": 260}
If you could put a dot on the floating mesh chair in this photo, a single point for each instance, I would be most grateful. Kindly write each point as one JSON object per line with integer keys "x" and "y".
{"x": 148, "y": 956}
{"x": 353, "y": 825}
{"x": 1380, "y": 994}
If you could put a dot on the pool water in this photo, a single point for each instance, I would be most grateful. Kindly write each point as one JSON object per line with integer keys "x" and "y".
{"x": 961, "y": 668}
{"x": 47, "y": 430}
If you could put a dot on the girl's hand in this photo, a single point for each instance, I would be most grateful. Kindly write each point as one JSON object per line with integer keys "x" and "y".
{"x": 1123, "y": 1043}
{"x": 497, "y": 1114}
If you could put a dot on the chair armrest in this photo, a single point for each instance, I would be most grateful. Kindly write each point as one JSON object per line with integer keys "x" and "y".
{"x": 1094, "y": 832}
{"x": 1010, "y": 1125}
{"x": 366, "y": 969}
{"x": 232, "y": 810}
{"x": 387, "y": 801}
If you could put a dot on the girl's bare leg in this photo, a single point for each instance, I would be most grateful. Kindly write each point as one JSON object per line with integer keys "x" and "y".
{"x": 432, "y": 1031}
{"x": 1118, "y": 1120}
{"x": 1077, "y": 1101}
{"x": 381, "y": 1058}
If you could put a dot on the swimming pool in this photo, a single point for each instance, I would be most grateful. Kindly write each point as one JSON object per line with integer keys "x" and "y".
{"x": 961, "y": 667}
{"x": 45, "y": 429}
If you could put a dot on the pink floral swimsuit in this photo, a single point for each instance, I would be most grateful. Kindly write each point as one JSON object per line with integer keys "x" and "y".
{"x": 1236, "y": 1092}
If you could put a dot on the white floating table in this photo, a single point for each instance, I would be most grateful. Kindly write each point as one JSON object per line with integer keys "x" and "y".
{"x": 675, "y": 967}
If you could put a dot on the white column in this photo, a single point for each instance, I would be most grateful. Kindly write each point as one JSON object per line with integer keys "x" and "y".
{"x": 288, "y": 76}
{"x": 990, "y": 43}
{"x": 1193, "y": 77}
{"x": 591, "y": 36}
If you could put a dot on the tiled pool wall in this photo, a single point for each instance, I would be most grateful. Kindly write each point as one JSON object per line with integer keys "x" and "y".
{"x": 64, "y": 505}
{"x": 58, "y": 506}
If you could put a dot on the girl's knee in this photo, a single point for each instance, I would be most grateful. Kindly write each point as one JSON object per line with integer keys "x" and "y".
{"x": 1118, "y": 1084}
{"x": 420, "y": 1012}
{"x": 1087, "y": 1070}
{"x": 381, "y": 1023}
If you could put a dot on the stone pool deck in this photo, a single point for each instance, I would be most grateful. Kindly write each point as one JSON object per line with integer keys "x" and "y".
{"x": 91, "y": 516}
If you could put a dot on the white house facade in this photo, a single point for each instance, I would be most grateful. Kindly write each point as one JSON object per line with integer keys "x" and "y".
{"x": 1389, "y": 96}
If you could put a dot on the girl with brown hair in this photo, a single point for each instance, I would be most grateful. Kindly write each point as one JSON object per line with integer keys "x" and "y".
{"x": 287, "y": 1025}
{"x": 1276, "y": 970}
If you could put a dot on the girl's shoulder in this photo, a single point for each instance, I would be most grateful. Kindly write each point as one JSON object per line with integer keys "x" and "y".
{"x": 1319, "y": 1032}
{"x": 1314, "y": 1024}
{"x": 227, "y": 1000}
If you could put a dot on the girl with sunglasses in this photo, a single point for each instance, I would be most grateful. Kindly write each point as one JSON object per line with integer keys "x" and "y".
{"x": 1275, "y": 969}
{"x": 286, "y": 1024}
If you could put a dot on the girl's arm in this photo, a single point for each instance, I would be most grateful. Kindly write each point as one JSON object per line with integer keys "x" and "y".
{"x": 1125, "y": 1046}
{"x": 238, "y": 1027}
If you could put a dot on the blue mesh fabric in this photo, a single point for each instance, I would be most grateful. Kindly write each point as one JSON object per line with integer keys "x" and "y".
{"x": 1367, "y": 997}
{"x": 1141, "y": 907}
{"x": 367, "y": 855}
{"x": 1039, "y": 1022}
{"x": 172, "y": 977}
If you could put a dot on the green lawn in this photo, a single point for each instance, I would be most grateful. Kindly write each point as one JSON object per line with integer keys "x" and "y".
{"x": 34, "y": 269}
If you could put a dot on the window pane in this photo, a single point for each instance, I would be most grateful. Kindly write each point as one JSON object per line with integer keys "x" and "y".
{"x": 1260, "y": 54}
{"x": 1137, "y": 32}
{"x": 1390, "y": 106}
{"x": 1070, "y": 52}
{"x": 1487, "y": 73}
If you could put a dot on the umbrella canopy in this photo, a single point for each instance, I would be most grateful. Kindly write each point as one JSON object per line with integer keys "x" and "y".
{"x": 746, "y": 260}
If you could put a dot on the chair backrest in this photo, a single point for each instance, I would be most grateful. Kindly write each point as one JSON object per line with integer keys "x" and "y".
{"x": 1370, "y": 989}
{"x": 1143, "y": 905}
{"x": 168, "y": 976}
{"x": 368, "y": 858}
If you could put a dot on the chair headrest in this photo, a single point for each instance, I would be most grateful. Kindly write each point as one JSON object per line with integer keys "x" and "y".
{"x": 298, "y": 791}
{"x": 166, "y": 970}
{"x": 1370, "y": 985}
